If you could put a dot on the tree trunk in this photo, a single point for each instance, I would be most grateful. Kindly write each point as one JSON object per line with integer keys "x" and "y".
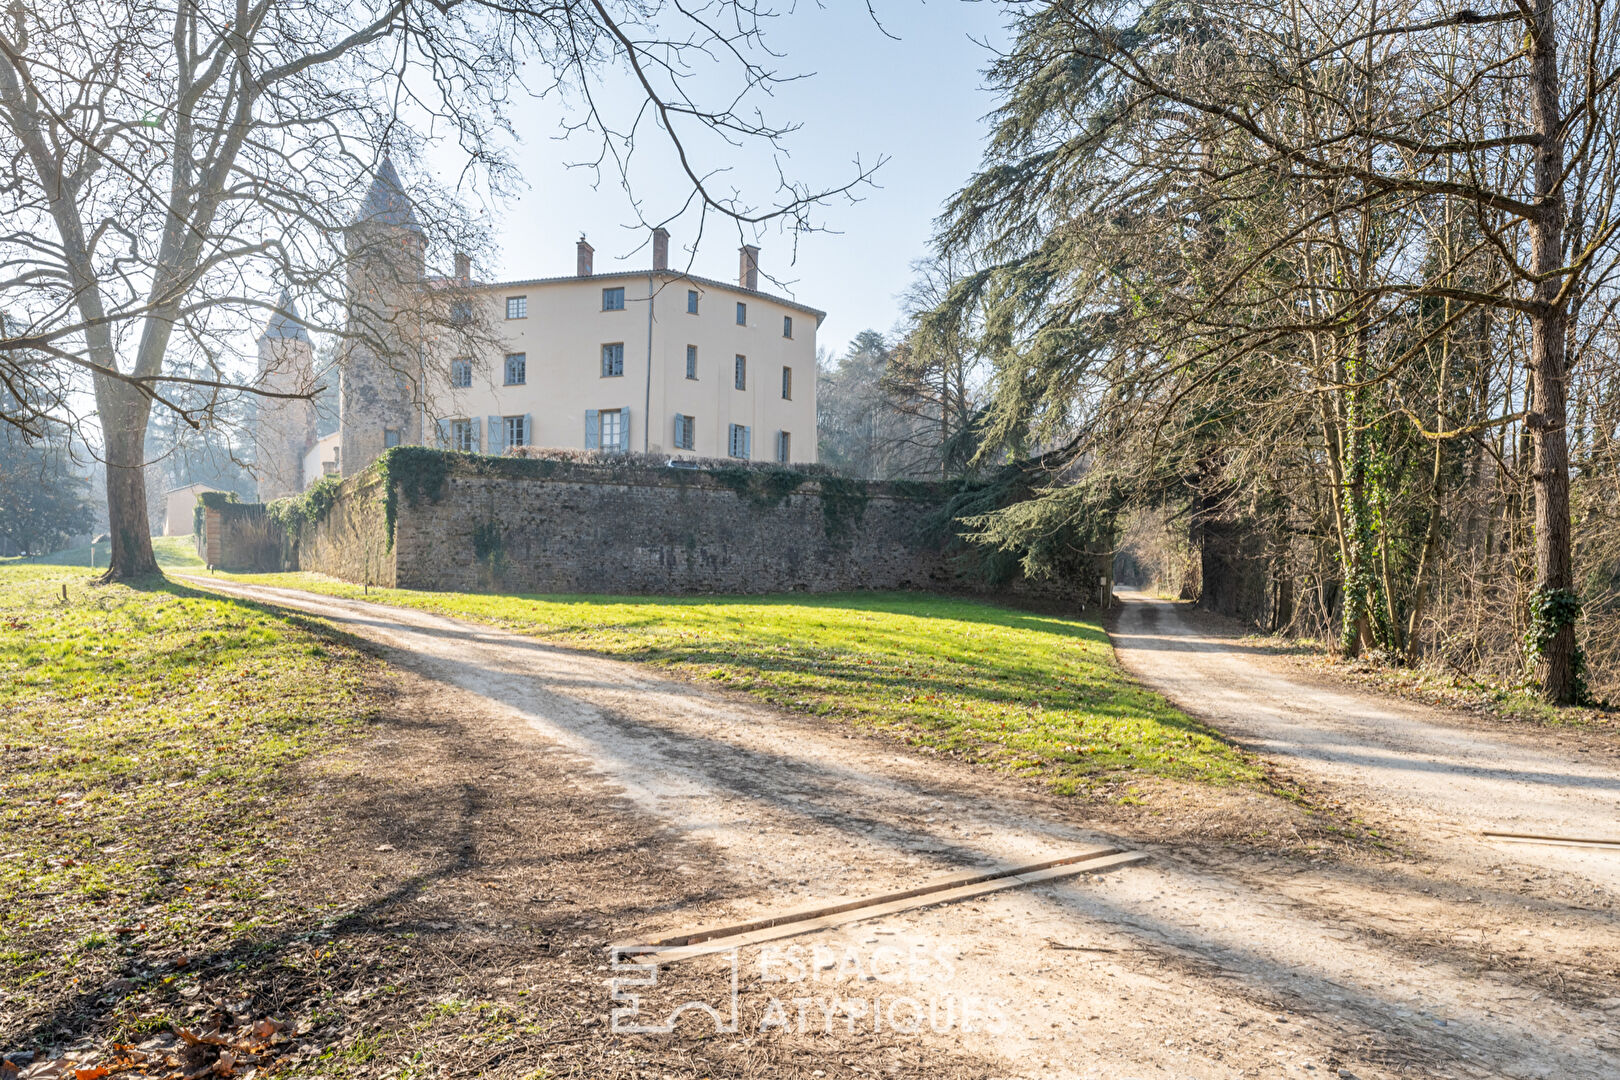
{"x": 1549, "y": 461}
{"x": 124, "y": 413}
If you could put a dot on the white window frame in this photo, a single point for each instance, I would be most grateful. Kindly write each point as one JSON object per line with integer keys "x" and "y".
{"x": 613, "y": 292}
{"x": 691, "y": 361}
{"x": 618, "y": 440}
{"x": 460, "y": 374}
{"x": 685, "y": 431}
{"x": 737, "y": 441}
{"x": 461, "y": 436}
{"x": 517, "y": 307}
{"x": 618, "y": 360}
{"x": 507, "y": 430}
{"x": 739, "y": 373}
{"x": 522, "y": 369}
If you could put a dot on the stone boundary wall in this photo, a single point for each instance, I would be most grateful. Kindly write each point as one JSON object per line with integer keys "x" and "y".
{"x": 350, "y": 541}
{"x": 628, "y": 526}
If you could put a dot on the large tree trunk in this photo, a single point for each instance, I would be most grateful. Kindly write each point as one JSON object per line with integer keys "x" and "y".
{"x": 1546, "y": 422}
{"x": 124, "y": 413}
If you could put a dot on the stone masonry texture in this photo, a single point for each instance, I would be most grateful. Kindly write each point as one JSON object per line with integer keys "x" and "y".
{"x": 620, "y": 526}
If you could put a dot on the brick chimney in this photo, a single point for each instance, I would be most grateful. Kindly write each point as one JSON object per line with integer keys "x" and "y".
{"x": 463, "y": 268}
{"x": 660, "y": 248}
{"x": 585, "y": 251}
{"x": 748, "y": 267}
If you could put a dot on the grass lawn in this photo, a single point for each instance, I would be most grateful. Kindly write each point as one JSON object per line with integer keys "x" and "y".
{"x": 1034, "y": 694}
{"x": 176, "y": 552}
{"x": 142, "y": 734}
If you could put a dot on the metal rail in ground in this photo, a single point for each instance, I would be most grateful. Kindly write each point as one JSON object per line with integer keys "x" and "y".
{"x": 708, "y": 940}
{"x": 1562, "y": 841}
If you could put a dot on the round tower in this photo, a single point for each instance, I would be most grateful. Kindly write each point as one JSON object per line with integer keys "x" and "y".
{"x": 379, "y": 360}
{"x": 284, "y": 430}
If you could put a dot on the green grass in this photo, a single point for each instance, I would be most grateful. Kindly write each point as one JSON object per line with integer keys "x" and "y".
{"x": 144, "y": 732}
{"x": 178, "y": 552}
{"x": 1031, "y": 693}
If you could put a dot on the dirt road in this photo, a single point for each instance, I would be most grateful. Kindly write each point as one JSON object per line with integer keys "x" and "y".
{"x": 1200, "y": 963}
{"x": 1433, "y": 774}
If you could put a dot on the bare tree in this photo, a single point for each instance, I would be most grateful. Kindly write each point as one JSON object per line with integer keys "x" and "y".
{"x": 175, "y": 167}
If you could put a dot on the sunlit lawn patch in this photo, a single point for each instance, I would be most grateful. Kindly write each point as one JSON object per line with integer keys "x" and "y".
{"x": 1033, "y": 693}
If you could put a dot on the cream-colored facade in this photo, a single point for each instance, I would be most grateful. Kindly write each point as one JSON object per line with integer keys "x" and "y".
{"x": 642, "y": 361}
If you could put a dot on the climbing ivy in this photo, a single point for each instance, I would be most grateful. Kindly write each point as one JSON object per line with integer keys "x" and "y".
{"x": 1364, "y": 601}
{"x": 843, "y": 504}
{"x": 1550, "y": 611}
{"x": 416, "y": 472}
{"x": 209, "y": 500}
{"x": 310, "y": 508}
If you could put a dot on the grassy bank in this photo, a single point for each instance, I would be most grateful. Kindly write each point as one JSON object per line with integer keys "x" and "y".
{"x": 1035, "y": 694}
{"x": 174, "y": 552}
{"x": 145, "y": 733}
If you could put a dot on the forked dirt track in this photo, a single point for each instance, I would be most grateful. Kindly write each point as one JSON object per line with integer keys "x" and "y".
{"x": 1446, "y": 958}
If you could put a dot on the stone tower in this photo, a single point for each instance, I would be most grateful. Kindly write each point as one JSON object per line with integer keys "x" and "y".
{"x": 379, "y": 401}
{"x": 285, "y": 428}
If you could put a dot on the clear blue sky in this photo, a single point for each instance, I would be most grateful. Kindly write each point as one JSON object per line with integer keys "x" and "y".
{"x": 916, "y": 101}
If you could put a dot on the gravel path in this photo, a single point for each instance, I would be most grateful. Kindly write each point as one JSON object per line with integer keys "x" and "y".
{"x": 1199, "y": 963}
{"x": 1432, "y": 772}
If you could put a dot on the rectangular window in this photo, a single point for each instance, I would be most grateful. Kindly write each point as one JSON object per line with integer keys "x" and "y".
{"x": 742, "y": 313}
{"x": 787, "y": 326}
{"x": 460, "y": 313}
{"x": 685, "y": 431}
{"x": 461, "y": 436}
{"x": 691, "y": 301}
{"x": 517, "y": 307}
{"x": 390, "y": 437}
{"x": 787, "y": 384}
{"x": 517, "y": 431}
{"x": 460, "y": 373}
{"x": 613, "y": 360}
{"x": 612, "y": 421}
{"x": 784, "y": 447}
{"x": 737, "y": 445}
{"x": 613, "y": 299}
{"x": 517, "y": 369}
{"x": 691, "y": 361}
{"x": 740, "y": 376}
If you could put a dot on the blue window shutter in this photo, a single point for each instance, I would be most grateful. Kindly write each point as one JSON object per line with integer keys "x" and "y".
{"x": 624, "y": 429}
{"x": 528, "y": 429}
{"x": 593, "y": 429}
{"x": 497, "y": 436}
{"x": 747, "y": 451}
{"x": 444, "y": 433}
{"x": 475, "y": 424}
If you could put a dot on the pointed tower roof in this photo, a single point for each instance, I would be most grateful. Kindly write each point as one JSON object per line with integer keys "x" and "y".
{"x": 386, "y": 201}
{"x": 284, "y": 321}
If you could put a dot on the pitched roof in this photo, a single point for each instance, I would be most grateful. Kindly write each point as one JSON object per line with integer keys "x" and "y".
{"x": 386, "y": 201}
{"x": 284, "y": 321}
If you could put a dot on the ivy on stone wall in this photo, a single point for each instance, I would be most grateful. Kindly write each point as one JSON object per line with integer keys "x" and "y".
{"x": 209, "y": 500}
{"x": 310, "y": 508}
{"x": 416, "y": 472}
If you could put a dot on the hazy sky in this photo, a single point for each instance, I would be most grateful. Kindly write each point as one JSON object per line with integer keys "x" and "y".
{"x": 915, "y": 101}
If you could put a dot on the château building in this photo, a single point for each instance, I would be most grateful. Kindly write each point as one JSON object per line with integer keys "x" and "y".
{"x": 654, "y": 360}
